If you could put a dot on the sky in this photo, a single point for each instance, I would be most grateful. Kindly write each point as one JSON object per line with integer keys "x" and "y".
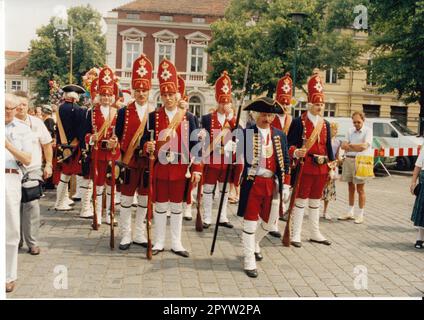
{"x": 24, "y": 17}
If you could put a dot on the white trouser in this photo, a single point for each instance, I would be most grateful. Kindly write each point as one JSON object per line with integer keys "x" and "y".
{"x": 78, "y": 184}
{"x": 62, "y": 193}
{"x": 265, "y": 227}
{"x": 161, "y": 209}
{"x": 99, "y": 203}
{"x": 314, "y": 220}
{"x": 86, "y": 187}
{"x": 298, "y": 212}
{"x": 125, "y": 219}
{"x": 13, "y": 204}
{"x": 140, "y": 216}
{"x": 248, "y": 241}
{"x": 108, "y": 198}
{"x": 208, "y": 202}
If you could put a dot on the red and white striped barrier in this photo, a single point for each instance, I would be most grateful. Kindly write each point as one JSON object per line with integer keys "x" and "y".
{"x": 397, "y": 152}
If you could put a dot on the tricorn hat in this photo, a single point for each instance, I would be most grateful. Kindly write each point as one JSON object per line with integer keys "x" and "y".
{"x": 266, "y": 105}
{"x": 73, "y": 88}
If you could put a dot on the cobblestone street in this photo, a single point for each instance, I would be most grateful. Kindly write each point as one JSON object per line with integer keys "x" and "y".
{"x": 380, "y": 252}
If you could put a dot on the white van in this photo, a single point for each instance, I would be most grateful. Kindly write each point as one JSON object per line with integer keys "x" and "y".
{"x": 387, "y": 133}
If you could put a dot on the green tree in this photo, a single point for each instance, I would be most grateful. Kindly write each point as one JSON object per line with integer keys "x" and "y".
{"x": 397, "y": 38}
{"x": 270, "y": 45}
{"x": 50, "y": 52}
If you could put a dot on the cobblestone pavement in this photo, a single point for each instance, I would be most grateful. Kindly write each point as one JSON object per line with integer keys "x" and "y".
{"x": 376, "y": 258}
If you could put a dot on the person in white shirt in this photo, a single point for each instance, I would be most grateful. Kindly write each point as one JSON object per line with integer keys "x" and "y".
{"x": 358, "y": 140}
{"x": 42, "y": 146}
{"x": 18, "y": 148}
{"x": 418, "y": 212}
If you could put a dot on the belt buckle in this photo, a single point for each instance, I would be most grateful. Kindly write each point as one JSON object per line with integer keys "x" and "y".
{"x": 321, "y": 160}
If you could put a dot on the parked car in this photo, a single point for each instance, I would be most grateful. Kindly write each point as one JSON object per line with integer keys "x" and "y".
{"x": 387, "y": 133}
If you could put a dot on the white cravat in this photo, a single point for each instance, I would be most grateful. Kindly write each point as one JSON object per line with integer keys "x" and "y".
{"x": 265, "y": 133}
{"x": 171, "y": 114}
{"x": 221, "y": 118}
{"x": 314, "y": 119}
{"x": 141, "y": 110}
{"x": 105, "y": 111}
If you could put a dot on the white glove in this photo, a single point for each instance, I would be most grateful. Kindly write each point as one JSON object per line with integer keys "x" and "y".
{"x": 230, "y": 146}
{"x": 286, "y": 193}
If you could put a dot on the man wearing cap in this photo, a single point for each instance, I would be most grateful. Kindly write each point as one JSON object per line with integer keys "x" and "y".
{"x": 265, "y": 177}
{"x": 219, "y": 125}
{"x": 172, "y": 128}
{"x": 282, "y": 122}
{"x": 309, "y": 138}
{"x": 69, "y": 117}
{"x": 130, "y": 127}
{"x": 100, "y": 134}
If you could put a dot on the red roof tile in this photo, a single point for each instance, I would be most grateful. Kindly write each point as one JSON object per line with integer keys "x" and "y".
{"x": 190, "y": 7}
{"x": 17, "y": 66}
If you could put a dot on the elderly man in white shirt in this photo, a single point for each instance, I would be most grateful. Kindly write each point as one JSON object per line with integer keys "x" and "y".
{"x": 18, "y": 148}
{"x": 42, "y": 144}
{"x": 359, "y": 139}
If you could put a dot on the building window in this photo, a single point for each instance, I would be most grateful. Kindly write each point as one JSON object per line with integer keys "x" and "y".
{"x": 330, "y": 76}
{"x": 330, "y": 110}
{"x": 197, "y": 58}
{"x": 132, "y": 46}
{"x": 164, "y": 46}
{"x": 400, "y": 114}
{"x": 166, "y": 18}
{"x": 199, "y": 20}
{"x": 16, "y": 85}
{"x": 133, "y": 16}
{"x": 299, "y": 108}
{"x": 195, "y": 106}
{"x": 371, "y": 111}
{"x": 164, "y": 51}
{"x": 370, "y": 80}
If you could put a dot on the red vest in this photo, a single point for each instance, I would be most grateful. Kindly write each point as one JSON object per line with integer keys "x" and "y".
{"x": 171, "y": 171}
{"x": 319, "y": 147}
{"x": 131, "y": 125}
{"x": 217, "y": 161}
{"x": 97, "y": 123}
{"x": 276, "y": 123}
{"x": 269, "y": 163}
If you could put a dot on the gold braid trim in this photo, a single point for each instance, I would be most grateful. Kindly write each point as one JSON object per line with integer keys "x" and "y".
{"x": 280, "y": 156}
{"x": 255, "y": 161}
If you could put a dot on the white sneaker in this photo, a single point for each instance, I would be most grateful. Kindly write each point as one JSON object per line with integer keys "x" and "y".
{"x": 359, "y": 219}
{"x": 347, "y": 216}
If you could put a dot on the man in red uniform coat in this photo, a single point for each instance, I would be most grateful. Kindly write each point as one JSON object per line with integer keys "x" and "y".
{"x": 99, "y": 134}
{"x": 282, "y": 122}
{"x": 284, "y": 92}
{"x": 130, "y": 127}
{"x": 309, "y": 138}
{"x": 174, "y": 129}
{"x": 219, "y": 125}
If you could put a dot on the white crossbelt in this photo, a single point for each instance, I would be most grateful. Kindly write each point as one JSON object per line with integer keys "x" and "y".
{"x": 265, "y": 173}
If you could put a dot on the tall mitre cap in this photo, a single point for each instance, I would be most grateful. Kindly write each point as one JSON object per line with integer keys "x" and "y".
{"x": 106, "y": 82}
{"x": 315, "y": 88}
{"x": 142, "y": 73}
{"x": 284, "y": 90}
{"x": 223, "y": 88}
{"x": 167, "y": 75}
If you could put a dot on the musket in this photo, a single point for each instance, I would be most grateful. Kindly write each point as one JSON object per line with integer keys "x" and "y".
{"x": 230, "y": 165}
{"x": 295, "y": 191}
{"x": 149, "y": 200}
{"x": 199, "y": 221}
{"x": 112, "y": 197}
{"x": 94, "y": 148}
